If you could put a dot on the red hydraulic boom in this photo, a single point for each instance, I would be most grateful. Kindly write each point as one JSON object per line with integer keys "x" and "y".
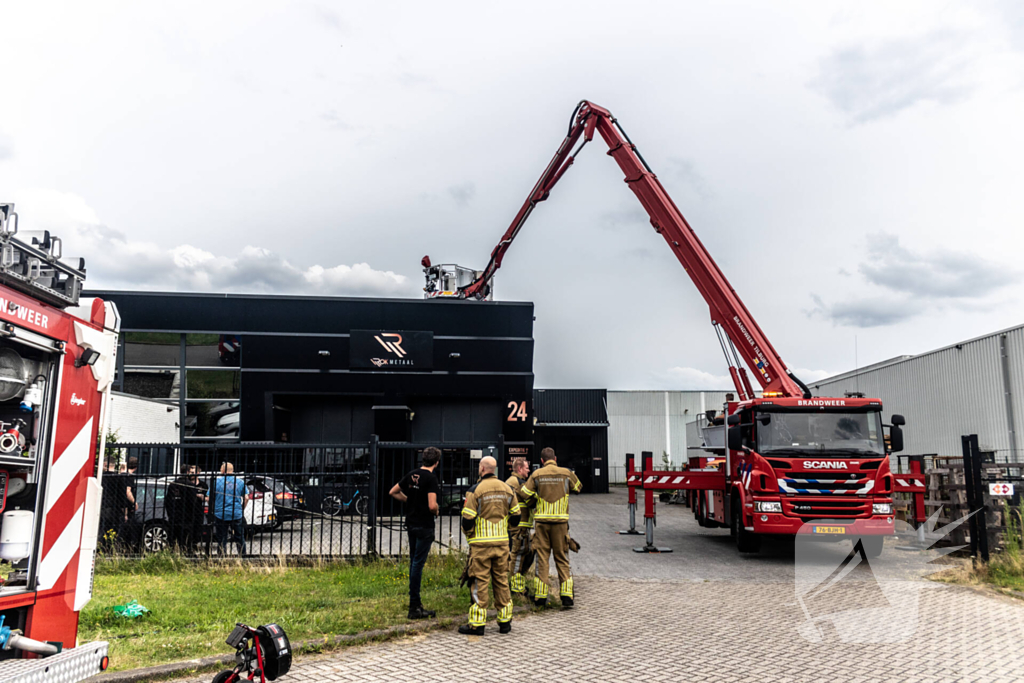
{"x": 728, "y": 313}
{"x": 832, "y": 465}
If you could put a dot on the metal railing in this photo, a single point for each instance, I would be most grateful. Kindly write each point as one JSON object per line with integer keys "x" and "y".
{"x": 312, "y": 500}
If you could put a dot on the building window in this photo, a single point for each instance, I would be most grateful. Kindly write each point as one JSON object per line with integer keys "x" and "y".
{"x": 151, "y": 382}
{"x": 212, "y": 383}
{"x": 213, "y": 350}
{"x": 204, "y": 382}
{"x": 152, "y": 348}
{"x": 212, "y": 419}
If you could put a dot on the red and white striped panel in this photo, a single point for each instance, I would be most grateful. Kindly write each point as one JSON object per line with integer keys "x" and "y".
{"x": 72, "y": 465}
{"x": 908, "y": 483}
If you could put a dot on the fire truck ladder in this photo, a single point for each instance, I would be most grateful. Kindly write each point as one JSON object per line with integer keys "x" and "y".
{"x": 30, "y": 262}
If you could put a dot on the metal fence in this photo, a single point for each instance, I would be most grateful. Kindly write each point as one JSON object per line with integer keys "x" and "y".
{"x": 314, "y": 500}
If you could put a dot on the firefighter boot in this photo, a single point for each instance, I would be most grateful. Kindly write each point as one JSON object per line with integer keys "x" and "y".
{"x": 470, "y": 630}
{"x": 540, "y": 592}
{"x": 421, "y": 613}
{"x": 505, "y": 618}
{"x": 567, "y": 592}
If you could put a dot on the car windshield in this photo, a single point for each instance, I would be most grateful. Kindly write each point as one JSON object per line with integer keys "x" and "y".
{"x": 840, "y": 434}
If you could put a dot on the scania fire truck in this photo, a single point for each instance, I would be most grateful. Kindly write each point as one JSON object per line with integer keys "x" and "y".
{"x": 57, "y": 356}
{"x": 792, "y": 463}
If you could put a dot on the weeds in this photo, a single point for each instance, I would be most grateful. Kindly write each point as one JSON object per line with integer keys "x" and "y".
{"x": 1005, "y": 569}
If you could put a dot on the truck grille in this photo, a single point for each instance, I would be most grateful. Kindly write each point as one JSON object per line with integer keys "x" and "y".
{"x": 825, "y": 483}
{"x": 817, "y": 508}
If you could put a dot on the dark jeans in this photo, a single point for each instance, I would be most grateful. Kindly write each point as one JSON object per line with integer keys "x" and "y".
{"x": 420, "y": 541}
{"x": 187, "y": 532}
{"x": 237, "y": 529}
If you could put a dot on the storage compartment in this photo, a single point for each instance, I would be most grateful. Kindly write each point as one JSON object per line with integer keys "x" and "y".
{"x": 27, "y": 385}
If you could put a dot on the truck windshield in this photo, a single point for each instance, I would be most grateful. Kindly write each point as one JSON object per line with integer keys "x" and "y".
{"x": 842, "y": 434}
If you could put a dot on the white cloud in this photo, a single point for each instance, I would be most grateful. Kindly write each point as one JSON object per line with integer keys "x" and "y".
{"x": 873, "y": 82}
{"x": 114, "y": 260}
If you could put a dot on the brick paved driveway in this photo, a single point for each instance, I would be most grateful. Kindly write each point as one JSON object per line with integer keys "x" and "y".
{"x": 701, "y": 613}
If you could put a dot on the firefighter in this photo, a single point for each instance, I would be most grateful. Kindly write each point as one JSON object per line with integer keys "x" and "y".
{"x": 547, "y": 493}
{"x": 521, "y": 554}
{"x": 491, "y": 508}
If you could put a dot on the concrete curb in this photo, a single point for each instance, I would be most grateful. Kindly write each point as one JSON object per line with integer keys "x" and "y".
{"x": 189, "y": 666}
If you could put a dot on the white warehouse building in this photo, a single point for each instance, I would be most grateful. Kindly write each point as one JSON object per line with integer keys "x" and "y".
{"x": 653, "y": 421}
{"x": 974, "y": 387}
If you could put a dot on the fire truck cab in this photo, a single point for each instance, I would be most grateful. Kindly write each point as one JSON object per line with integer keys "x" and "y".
{"x": 57, "y": 362}
{"x": 814, "y": 465}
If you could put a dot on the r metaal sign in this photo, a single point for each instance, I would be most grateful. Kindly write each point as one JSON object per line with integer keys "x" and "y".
{"x": 391, "y": 350}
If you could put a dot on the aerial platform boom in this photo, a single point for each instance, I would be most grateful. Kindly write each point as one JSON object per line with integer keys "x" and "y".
{"x": 743, "y": 337}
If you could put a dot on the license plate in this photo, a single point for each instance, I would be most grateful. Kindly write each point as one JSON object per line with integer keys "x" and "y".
{"x": 830, "y": 530}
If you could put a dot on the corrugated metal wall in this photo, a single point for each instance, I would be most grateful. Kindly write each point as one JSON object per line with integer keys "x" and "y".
{"x": 570, "y": 406}
{"x": 947, "y": 393}
{"x": 637, "y": 422}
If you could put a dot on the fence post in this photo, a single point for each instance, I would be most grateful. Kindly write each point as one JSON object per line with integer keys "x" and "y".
{"x": 371, "y": 512}
{"x": 975, "y": 496}
{"x": 503, "y": 470}
{"x": 979, "y": 499}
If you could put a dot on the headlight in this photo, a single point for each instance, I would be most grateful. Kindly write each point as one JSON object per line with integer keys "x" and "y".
{"x": 882, "y": 508}
{"x": 768, "y": 506}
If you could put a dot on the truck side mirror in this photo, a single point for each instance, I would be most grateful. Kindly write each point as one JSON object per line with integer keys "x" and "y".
{"x": 734, "y": 419}
{"x": 895, "y": 437}
{"x": 735, "y": 438}
{"x": 899, "y": 420}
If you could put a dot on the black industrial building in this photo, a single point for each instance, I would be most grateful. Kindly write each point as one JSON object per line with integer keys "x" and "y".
{"x": 575, "y": 423}
{"x": 331, "y": 369}
{"x": 335, "y": 370}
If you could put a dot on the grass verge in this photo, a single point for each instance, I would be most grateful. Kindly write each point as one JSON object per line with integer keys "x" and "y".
{"x": 193, "y": 606}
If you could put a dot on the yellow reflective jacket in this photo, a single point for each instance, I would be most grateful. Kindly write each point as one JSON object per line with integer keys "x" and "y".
{"x": 550, "y": 487}
{"x": 526, "y": 516}
{"x": 489, "y": 504}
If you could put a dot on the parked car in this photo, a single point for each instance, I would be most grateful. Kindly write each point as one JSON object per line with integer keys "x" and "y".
{"x": 228, "y": 425}
{"x": 152, "y": 519}
{"x": 287, "y": 502}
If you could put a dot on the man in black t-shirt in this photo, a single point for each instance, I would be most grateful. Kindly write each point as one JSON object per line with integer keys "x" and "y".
{"x": 419, "y": 491}
{"x": 128, "y": 533}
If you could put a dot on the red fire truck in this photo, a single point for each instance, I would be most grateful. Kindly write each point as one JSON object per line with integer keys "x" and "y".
{"x": 57, "y": 360}
{"x": 790, "y": 459}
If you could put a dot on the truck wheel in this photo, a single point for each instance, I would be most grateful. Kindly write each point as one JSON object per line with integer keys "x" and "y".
{"x": 746, "y": 541}
{"x": 698, "y": 509}
{"x": 871, "y": 546}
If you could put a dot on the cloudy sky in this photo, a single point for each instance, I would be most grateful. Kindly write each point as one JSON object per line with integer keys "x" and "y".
{"x": 855, "y": 168}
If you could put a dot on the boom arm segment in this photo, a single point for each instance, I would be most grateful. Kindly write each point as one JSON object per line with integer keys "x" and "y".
{"x": 727, "y": 310}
